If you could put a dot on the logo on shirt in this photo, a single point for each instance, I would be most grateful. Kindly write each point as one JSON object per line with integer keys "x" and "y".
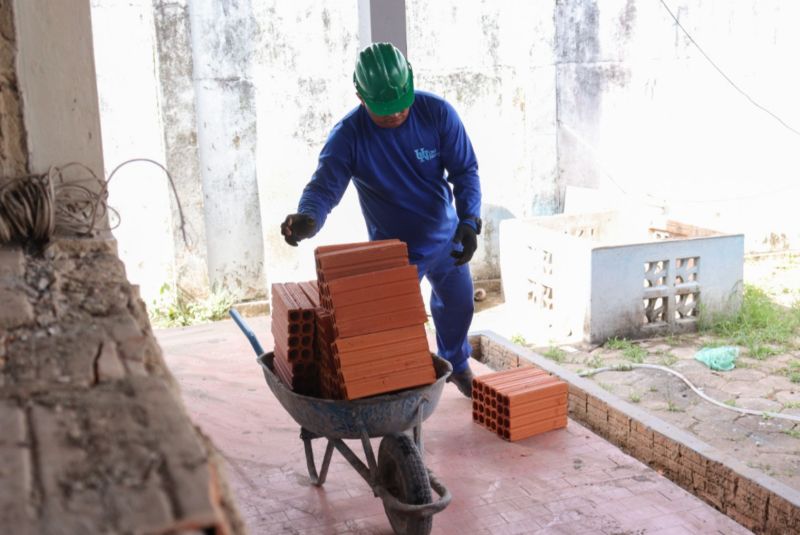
{"x": 424, "y": 155}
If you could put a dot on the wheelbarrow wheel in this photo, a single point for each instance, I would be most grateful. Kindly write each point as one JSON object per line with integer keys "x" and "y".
{"x": 403, "y": 474}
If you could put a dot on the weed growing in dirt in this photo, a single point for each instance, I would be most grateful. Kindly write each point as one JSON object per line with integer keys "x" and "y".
{"x": 633, "y": 352}
{"x": 762, "y": 326}
{"x": 175, "y": 308}
{"x": 555, "y": 353}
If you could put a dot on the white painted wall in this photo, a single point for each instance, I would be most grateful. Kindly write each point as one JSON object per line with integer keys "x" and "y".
{"x": 638, "y": 105}
{"x": 56, "y": 72}
{"x": 302, "y": 69}
{"x": 552, "y": 95}
{"x": 124, "y": 36}
{"x": 493, "y": 62}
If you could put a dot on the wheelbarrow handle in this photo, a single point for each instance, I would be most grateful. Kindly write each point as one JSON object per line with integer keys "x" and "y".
{"x": 248, "y": 332}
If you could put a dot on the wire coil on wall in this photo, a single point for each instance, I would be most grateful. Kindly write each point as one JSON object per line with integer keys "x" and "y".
{"x": 34, "y": 208}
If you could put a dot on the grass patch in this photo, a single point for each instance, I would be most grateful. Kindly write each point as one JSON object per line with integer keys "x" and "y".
{"x": 794, "y": 433}
{"x": 667, "y": 358}
{"x": 730, "y": 402}
{"x": 555, "y": 353}
{"x": 792, "y": 371}
{"x": 635, "y": 397}
{"x": 792, "y": 405}
{"x": 595, "y": 362}
{"x": 175, "y": 308}
{"x": 633, "y": 352}
{"x": 762, "y": 326}
{"x": 671, "y": 407}
{"x": 617, "y": 343}
{"x": 519, "y": 340}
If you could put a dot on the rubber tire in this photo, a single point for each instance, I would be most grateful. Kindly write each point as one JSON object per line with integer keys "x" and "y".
{"x": 402, "y": 472}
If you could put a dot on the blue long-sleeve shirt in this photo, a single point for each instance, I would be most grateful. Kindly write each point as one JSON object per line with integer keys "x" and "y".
{"x": 401, "y": 175}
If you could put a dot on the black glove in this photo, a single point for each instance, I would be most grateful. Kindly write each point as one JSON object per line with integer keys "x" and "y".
{"x": 468, "y": 238}
{"x": 297, "y": 227}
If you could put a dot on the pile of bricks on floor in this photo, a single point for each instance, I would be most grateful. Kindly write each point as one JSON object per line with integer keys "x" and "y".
{"x": 358, "y": 330}
{"x": 519, "y": 403}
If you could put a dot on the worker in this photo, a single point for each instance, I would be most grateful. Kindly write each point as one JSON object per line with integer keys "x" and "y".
{"x": 404, "y": 149}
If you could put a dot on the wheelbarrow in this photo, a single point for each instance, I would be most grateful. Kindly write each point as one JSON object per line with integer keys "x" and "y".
{"x": 398, "y": 476}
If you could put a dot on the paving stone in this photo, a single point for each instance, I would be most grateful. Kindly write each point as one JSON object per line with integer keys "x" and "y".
{"x": 16, "y": 477}
{"x": 746, "y": 389}
{"x": 16, "y": 310}
{"x": 740, "y": 374}
{"x": 759, "y": 404}
{"x": 12, "y": 262}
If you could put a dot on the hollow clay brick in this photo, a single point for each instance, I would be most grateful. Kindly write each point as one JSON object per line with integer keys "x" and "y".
{"x": 492, "y": 379}
{"x": 373, "y": 252}
{"x": 385, "y": 352}
{"x": 336, "y": 288}
{"x": 384, "y": 305}
{"x": 396, "y": 364}
{"x": 496, "y": 390}
{"x": 502, "y": 398}
{"x": 381, "y": 322}
{"x": 312, "y": 292}
{"x": 322, "y": 249}
{"x": 535, "y": 429}
{"x": 513, "y": 390}
{"x": 512, "y": 411}
{"x": 382, "y": 290}
{"x": 531, "y": 418}
{"x": 424, "y": 375}
{"x": 539, "y": 391}
{"x": 361, "y": 268}
{"x": 394, "y": 336}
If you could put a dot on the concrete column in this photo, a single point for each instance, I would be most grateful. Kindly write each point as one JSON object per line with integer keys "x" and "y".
{"x": 55, "y": 66}
{"x": 223, "y": 34}
{"x": 13, "y": 152}
{"x": 178, "y": 116}
{"x": 382, "y": 21}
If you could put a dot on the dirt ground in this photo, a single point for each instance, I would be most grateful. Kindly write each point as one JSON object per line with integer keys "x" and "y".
{"x": 770, "y": 384}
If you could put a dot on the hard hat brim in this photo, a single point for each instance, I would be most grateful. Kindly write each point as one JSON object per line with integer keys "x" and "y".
{"x": 394, "y": 106}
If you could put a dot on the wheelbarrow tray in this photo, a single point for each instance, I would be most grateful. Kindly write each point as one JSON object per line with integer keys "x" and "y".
{"x": 348, "y": 419}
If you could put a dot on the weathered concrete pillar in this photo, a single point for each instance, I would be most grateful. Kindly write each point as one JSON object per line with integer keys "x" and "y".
{"x": 382, "y": 21}
{"x": 55, "y": 66}
{"x": 174, "y": 53}
{"x": 13, "y": 152}
{"x": 223, "y": 35}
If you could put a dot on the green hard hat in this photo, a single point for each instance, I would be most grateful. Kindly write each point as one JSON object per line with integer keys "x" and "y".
{"x": 384, "y": 79}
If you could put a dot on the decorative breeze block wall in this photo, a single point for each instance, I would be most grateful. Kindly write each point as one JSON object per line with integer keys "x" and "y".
{"x": 606, "y": 274}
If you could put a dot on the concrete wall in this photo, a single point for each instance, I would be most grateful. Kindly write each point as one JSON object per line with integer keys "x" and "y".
{"x": 493, "y": 62}
{"x": 55, "y": 66}
{"x": 303, "y": 65}
{"x": 607, "y": 95}
{"x": 13, "y": 151}
{"x": 129, "y": 111}
{"x": 644, "y": 116}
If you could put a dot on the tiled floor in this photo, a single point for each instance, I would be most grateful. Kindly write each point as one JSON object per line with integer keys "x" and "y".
{"x": 567, "y": 481}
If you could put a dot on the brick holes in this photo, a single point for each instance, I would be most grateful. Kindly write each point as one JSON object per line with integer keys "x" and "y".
{"x": 671, "y": 292}
{"x": 654, "y": 310}
{"x": 655, "y": 273}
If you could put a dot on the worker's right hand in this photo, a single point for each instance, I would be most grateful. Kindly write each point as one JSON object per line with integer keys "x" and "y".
{"x": 297, "y": 227}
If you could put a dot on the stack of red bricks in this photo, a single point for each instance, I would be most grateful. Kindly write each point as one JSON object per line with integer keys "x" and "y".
{"x": 359, "y": 330}
{"x": 293, "y": 325}
{"x": 519, "y": 403}
{"x": 372, "y": 320}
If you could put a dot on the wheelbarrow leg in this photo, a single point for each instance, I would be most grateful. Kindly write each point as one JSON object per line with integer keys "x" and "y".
{"x": 316, "y": 480}
{"x": 418, "y": 428}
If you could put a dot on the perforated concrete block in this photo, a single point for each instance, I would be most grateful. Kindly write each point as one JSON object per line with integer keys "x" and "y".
{"x": 625, "y": 274}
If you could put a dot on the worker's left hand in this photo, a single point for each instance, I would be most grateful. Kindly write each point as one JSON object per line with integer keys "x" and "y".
{"x": 468, "y": 238}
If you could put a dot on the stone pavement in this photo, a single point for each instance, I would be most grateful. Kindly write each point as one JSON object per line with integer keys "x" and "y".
{"x": 771, "y": 445}
{"x": 567, "y": 481}
{"x": 94, "y": 437}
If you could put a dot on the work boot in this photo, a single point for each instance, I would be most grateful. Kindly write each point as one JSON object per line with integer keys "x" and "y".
{"x": 463, "y": 381}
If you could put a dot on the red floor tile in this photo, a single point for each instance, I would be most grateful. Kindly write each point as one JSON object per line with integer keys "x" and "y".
{"x": 225, "y": 394}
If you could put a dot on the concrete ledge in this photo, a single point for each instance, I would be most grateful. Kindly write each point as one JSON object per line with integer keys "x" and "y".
{"x": 753, "y": 499}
